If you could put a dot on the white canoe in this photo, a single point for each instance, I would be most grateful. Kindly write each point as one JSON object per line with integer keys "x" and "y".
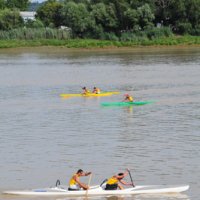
{"x": 97, "y": 190}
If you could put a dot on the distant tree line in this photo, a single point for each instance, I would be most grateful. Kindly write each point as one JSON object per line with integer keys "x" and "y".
{"x": 108, "y": 19}
{"x": 95, "y": 18}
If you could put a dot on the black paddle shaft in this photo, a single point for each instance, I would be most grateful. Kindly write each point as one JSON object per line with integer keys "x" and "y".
{"x": 131, "y": 178}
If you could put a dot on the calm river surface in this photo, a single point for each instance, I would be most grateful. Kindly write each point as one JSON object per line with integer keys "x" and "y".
{"x": 44, "y": 138}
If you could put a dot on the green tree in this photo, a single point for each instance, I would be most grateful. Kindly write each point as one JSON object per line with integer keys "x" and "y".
{"x": 2, "y": 4}
{"x": 132, "y": 18}
{"x": 86, "y": 2}
{"x": 145, "y": 16}
{"x": 193, "y": 12}
{"x": 162, "y": 11}
{"x": 138, "y": 3}
{"x": 121, "y": 6}
{"x": 20, "y": 4}
{"x": 76, "y": 16}
{"x": 177, "y": 11}
{"x": 10, "y": 19}
{"x": 105, "y": 16}
{"x": 50, "y": 13}
{"x": 34, "y": 24}
{"x": 182, "y": 15}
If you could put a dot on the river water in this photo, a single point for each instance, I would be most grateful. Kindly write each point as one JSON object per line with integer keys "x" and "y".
{"x": 44, "y": 138}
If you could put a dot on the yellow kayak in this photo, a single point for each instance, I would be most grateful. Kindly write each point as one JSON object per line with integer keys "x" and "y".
{"x": 102, "y": 94}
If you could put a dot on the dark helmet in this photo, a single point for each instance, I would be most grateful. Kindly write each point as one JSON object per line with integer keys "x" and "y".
{"x": 79, "y": 171}
{"x": 84, "y": 88}
{"x": 122, "y": 175}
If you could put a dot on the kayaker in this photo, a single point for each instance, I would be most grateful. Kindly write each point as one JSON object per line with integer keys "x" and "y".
{"x": 96, "y": 90}
{"x": 113, "y": 182}
{"x": 85, "y": 90}
{"x": 128, "y": 98}
{"x": 75, "y": 184}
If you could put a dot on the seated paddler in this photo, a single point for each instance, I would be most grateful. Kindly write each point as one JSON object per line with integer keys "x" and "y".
{"x": 128, "y": 98}
{"x": 113, "y": 183}
{"x": 85, "y": 91}
{"x": 96, "y": 90}
{"x": 75, "y": 183}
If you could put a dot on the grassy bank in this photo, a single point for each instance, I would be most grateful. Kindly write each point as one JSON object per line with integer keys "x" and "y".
{"x": 88, "y": 43}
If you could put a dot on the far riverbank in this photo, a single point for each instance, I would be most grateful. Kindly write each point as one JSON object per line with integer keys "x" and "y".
{"x": 90, "y": 43}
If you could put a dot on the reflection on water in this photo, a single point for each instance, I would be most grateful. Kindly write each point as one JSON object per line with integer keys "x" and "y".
{"x": 125, "y": 197}
{"x": 44, "y": 138}
{"x": 133, "y": 197}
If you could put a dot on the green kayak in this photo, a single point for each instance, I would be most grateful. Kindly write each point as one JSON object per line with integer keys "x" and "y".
{"x": 136, "y": 103}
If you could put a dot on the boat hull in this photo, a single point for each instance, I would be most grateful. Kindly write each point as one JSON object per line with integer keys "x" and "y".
{"x": 88, "y": 95}
{"x": 57, "y": 191}
{"x": 135, "y": 103}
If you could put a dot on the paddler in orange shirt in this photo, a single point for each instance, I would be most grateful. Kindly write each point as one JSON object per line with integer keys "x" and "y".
{"x": 75, "y": 184}
{"x": 96, "y": 90}
{"x": 128, "y": 98}
{"x": 85, "y": 91}
{"x": 113, "y": 182}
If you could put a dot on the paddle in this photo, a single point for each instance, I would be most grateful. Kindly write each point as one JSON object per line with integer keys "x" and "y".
{"x": 131, "y": 178}
{"x": 57, "y": 183}
{"x": 88, "y": 184}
